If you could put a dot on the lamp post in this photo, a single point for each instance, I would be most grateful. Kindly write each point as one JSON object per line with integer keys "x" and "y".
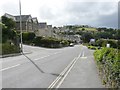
{"x": 20, "y": 26}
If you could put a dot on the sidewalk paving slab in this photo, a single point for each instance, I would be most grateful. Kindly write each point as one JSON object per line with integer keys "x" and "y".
{"x": 84, "y": 74}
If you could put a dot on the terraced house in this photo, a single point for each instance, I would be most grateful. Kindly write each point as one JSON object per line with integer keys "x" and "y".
{"x": 29, "y": 24}
{"x": 45, "y": 30}
{"x": 35, "y": 25}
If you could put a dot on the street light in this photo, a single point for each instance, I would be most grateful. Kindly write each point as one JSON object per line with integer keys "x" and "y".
{"x": 20, "y": 25}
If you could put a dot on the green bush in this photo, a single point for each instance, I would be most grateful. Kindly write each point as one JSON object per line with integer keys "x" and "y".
{"x": 9, "y": 49}
{"x": 103, "y": 42}
{"x": 37, "y": 41}
{"x": 108, "y": 60}
{"x": 92, "y": 47}
{"x": 28, "y": 37}
{"x": 64, "y": 42}
{"x": 50, "y": 42}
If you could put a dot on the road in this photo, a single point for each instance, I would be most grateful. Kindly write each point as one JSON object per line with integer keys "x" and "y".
{"x": 20, "y": 72}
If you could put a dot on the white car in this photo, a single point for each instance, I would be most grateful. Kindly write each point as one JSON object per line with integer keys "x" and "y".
{"x": 71, "y": 44}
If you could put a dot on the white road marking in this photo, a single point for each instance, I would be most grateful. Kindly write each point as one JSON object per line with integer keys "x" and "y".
{"x": 61, "y": 74}
{"x": 41, "y": 58}
{"x": 65, "y": 72}
{"x": 83, "y": 55}
{"x": 34, "y": 60}
{"x": 45, "y": 56}
{"x": 10, "y": 67}
{"x": 68, "y": 71}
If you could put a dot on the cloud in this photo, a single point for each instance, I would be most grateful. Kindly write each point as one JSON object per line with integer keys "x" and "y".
{"x": 63, "y": 12}
{"x": 90, "y": 13}
{"x": 10, "y": 7}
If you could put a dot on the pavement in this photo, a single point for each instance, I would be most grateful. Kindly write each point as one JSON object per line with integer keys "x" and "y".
{"x": 84, "y": 74}
{"x": 42, "y": 66}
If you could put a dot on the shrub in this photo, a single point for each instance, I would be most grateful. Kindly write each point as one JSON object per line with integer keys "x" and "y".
{"x": 93, "y": 47}
{"x": 64, "y": 42}
{"x": 9, "y": 49}
{"x": 37, "y": 40}
{"x": 108, "y": 60}
{"x": 50, "y": 42}
{"x": 103, "y": 42}
{"x": 28, "y": 37}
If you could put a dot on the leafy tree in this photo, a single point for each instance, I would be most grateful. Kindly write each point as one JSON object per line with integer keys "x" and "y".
{"x": 104, "y": 35}
{"x": 28, "y": 36}
{"x": 8, "y": 22}
{"x": 8, "y": 32}
{"x": 86, "y": 37}
{"x": 83, "y": 29}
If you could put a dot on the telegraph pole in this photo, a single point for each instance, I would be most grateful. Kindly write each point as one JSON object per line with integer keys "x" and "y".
{"x": 20, "y": 27}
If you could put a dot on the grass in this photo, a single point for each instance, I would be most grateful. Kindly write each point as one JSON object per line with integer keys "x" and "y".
{"x": 88, "y": 29}
{"x": 93, "y": 47}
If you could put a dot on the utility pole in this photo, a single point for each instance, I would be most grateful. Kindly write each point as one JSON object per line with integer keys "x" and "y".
{"x": 20, "y": 26}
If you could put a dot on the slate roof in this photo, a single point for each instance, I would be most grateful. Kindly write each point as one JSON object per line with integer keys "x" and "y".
{"x": 42, "y": 24}
{"x": 35, "y": 20}
{"x": 23, "y": 17}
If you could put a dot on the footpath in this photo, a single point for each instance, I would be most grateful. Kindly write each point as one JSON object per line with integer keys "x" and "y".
{"x": 84, "y": 74}
{"x": 14, "y": 54}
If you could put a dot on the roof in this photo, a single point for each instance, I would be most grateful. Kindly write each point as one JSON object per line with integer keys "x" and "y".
{"x": 9, "y": 16}
{"x": 42, "y": 24}
{"x": 23, "y": 17}
{"x": 35, "y": 20}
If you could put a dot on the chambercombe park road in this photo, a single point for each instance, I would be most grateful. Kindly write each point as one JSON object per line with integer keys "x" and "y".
{"x": 68, "y": 67}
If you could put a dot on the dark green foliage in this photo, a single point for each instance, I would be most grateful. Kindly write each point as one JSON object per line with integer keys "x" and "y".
{"x": 104, "y": 35}
{"x": 103, "y": 42}
{"x": 93, "y": 47}
{"x": 37, "y": 40}
{"x": 7, "y": 48}
{"x": 108, "y": 60}
{"x": 9, "y": 35}
{"x": 28, "y": 37}
{"x": 83, "y": 29}
{"x": 65, "y": 42}
{"x": 50, "y": 42}
{"x": 8, "y": 32}
{"x": 86, "y": 37}
{"x": 9, "y": 23}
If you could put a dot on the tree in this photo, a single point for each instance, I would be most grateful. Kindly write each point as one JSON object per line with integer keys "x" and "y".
{"x": 8, "y": 32}
{"x": 8, "y": 22}
{"x": 28, "y": 36}
{"x": 86, "y": 37}
{"x": 83, "y": 29}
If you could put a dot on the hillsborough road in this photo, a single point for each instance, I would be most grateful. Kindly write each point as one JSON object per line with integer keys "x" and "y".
{"x": 69, "y": 67}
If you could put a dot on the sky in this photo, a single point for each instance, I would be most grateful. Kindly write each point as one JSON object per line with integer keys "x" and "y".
{"x": 96, "y": 13}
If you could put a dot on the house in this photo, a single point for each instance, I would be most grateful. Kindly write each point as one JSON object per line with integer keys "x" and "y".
{"x": 49, "y": 26}
{"x": 42, "y": 25}
{"x": 9, "y": 16}
{"x": 27, "y": 23}
{"x": 35, "y": 25}
{"x": 44, "y": 30}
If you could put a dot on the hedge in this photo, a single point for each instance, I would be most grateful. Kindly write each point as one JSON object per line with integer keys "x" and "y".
{"x": 9, "y": 49}
{"x": 50, "y": 42}
{"x": 28, "y": 37}
{"x": 93, "y": 47}
{"x": 103, "y": 42}
{"x": 108, "y": 61}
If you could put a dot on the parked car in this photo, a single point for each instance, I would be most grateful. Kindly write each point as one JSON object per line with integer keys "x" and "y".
{"x": 71, "y": 44}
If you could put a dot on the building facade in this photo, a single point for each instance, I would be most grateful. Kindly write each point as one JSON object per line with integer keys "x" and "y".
{"x": 44, "y": 30}
{"x": 27, "y": 23}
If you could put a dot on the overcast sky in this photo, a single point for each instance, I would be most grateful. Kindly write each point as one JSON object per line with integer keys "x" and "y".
{"x": 66, "y": 12}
